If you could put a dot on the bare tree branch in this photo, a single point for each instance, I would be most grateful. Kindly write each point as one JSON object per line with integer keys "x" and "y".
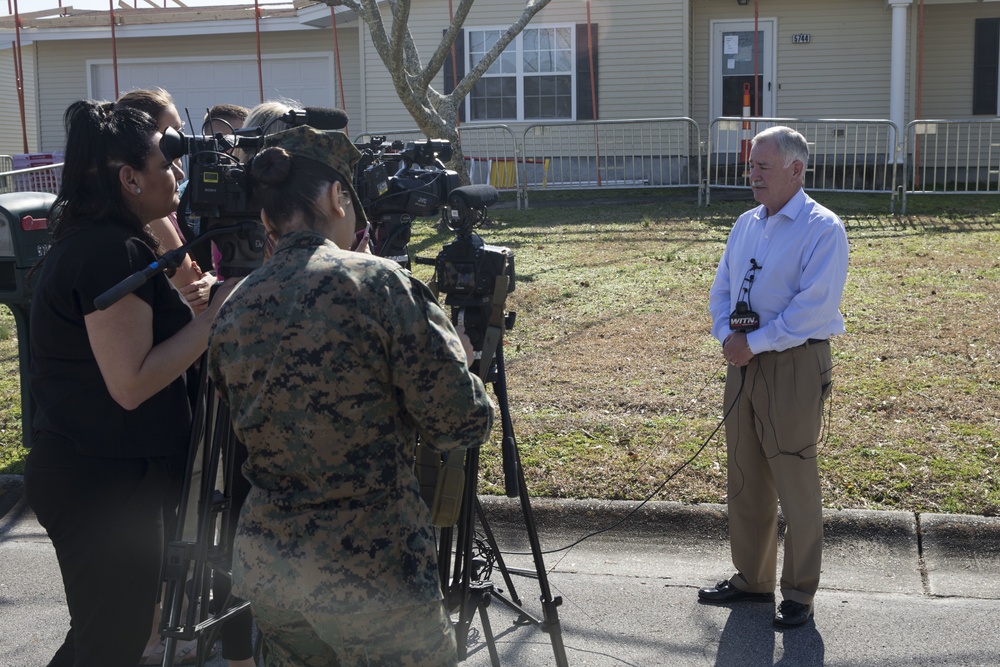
{"x": 443, "y": 50}
{"x": 435, "y": 113}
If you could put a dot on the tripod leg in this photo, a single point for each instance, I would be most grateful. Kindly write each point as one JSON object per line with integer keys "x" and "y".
{"x": 195, "y": 563}
{"x": 501, "y": 565}
{"x": 482, "y": 591}
{"x": 549, "y": 605}
{"x": 180, "y": 553}
{"x": 463, "y": 554}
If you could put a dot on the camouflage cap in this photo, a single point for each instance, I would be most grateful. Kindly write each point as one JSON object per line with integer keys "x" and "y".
{"x": 332, "y": 148}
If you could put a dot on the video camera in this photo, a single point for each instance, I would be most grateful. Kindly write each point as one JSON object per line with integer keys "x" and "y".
{"x": 220, "y": 193}
{"x": 398, "y": 182}
{"x": 220, "y": 190}
{"x": 474, "y": 277}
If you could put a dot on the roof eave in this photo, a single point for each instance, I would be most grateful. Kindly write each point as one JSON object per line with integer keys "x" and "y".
{"x": 308, "y": 18}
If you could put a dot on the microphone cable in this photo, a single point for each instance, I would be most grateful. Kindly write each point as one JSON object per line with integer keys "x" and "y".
{"x": 655, "y": 491}
{"x": 746, "y": 286}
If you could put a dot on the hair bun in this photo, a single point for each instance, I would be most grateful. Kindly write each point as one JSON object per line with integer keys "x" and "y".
{"x": 271, "y": 166}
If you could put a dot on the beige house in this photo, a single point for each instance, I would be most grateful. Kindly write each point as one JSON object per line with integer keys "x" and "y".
{"x": 863, "y": 59}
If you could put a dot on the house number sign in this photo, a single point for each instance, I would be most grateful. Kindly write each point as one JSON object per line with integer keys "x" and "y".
{"x": 801, "y": 38}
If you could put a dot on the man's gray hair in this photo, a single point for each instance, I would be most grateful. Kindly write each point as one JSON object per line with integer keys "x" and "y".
{"x": 791, "y": 145}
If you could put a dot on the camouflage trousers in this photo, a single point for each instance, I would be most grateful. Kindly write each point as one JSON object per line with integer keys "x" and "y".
{"x": 417, "y": 636}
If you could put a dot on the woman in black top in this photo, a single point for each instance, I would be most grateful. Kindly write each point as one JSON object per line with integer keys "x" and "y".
{"x": 113, "y": 419}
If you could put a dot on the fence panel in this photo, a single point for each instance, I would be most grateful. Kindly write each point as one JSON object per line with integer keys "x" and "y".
{"x": 845, "y": 155}
{"x": 952, "y": 157}
{"x": 656, "y": 152}
{"x": 36, "y": 179}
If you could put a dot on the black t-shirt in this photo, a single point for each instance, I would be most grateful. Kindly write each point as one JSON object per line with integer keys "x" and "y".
{"x": 72, "y": 399}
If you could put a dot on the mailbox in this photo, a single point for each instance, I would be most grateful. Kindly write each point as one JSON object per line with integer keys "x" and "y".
{"x": 24, "y": 239}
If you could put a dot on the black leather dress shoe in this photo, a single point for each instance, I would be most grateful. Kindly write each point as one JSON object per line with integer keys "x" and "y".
{"x": 791, "y": 614}
{"x": 726, "y": 592}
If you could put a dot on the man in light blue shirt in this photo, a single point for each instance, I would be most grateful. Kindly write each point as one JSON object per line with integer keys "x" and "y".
{"x": 775, "y": 303}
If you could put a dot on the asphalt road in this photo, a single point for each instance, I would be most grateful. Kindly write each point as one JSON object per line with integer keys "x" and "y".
{"x": 897, "y": 589}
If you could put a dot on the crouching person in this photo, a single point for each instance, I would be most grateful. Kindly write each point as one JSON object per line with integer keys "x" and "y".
{"x": 332, "y": 363}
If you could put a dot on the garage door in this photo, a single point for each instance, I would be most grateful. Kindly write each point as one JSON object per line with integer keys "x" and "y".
{"x": 196, "y": 85}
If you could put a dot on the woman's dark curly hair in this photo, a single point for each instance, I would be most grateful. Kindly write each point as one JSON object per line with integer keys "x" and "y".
{"x": 101, "y": 138}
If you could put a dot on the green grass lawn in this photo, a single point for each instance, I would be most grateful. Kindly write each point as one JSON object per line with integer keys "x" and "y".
{"x": 614, "y": 381}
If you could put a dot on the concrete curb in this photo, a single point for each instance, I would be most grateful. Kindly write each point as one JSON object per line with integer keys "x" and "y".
{"x": 956, "y": 534}
{"x": 944, "y": 536}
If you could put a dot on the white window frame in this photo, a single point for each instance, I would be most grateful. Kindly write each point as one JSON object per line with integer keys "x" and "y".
{"x": 517, "y": 45}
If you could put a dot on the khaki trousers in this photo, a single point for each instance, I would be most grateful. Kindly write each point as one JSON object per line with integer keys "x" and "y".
{"x": 772, "y": 430}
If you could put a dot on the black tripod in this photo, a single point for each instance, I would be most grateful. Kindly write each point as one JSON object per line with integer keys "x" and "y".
{"x": 468, "y": 588}
{"x": 195, "y": 561}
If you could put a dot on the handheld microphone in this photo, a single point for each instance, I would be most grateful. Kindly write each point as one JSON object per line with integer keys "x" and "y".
{"x": 743, "y": 319}
{"x": 320, "y": 118}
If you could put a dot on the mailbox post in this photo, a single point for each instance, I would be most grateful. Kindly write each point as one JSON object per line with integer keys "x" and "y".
{"x": 24, "y": 239}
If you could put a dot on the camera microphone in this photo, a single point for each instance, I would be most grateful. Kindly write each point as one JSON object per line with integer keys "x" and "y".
{"x": 321, "y": 118}
{"x": 474, "y": 196}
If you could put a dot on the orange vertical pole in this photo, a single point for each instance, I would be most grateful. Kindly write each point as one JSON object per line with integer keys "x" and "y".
{"x": 756, "y": 59}
{"x": 590, "y": 51}
{"x": 745, "y": 141}
{"x": 19, "y": 75}
{"x": 260, "y": 71}
{"x": 336, "y": 61}
{"x": 114, "y": 47}
{"x": 454, "y": 67}
{"x": 920, "y": 89}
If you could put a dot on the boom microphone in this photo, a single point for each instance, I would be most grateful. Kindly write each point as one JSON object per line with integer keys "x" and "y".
{"x": 474, "y": 196}
{"x": 170, "y": 260}
{"x": 320, "y": 118}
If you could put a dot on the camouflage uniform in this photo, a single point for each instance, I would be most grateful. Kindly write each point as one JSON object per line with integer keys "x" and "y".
{"x": 332, "y": 363}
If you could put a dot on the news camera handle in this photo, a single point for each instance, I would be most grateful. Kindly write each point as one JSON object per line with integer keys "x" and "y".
{"x": 169, "y": 260}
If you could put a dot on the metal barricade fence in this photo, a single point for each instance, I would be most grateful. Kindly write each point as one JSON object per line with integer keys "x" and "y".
{"x": 47, "y": 178}
{"x": 491, "y": 154}
{"x": 656, "y": 152}
{"x": 6, "y": 165}
{"x": 845, "y": 155}
{"x": 952, "y": 157}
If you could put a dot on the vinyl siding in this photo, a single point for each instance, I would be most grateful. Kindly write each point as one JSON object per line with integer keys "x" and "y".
{"x": 63, "y": 76}
{"x": 642, "y": 68}
{"x": 11, "y": 135}
{"x": 654, "y": 59}
{"x": 946, "y": 93}
{"x": 947, "y": 58}
{"x": 842, "y": 72}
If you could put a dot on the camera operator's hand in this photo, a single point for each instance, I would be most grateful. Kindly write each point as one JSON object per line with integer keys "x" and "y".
{"x": 199, "y": 292}
{"x": 470, "y": 353}
{"x": 362, "y": 241}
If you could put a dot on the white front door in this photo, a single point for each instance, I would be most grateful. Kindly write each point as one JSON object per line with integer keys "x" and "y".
{"x": 734, "y": 72}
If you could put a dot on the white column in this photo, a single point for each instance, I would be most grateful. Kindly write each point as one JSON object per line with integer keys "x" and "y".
{"x": 897, "y": 67}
